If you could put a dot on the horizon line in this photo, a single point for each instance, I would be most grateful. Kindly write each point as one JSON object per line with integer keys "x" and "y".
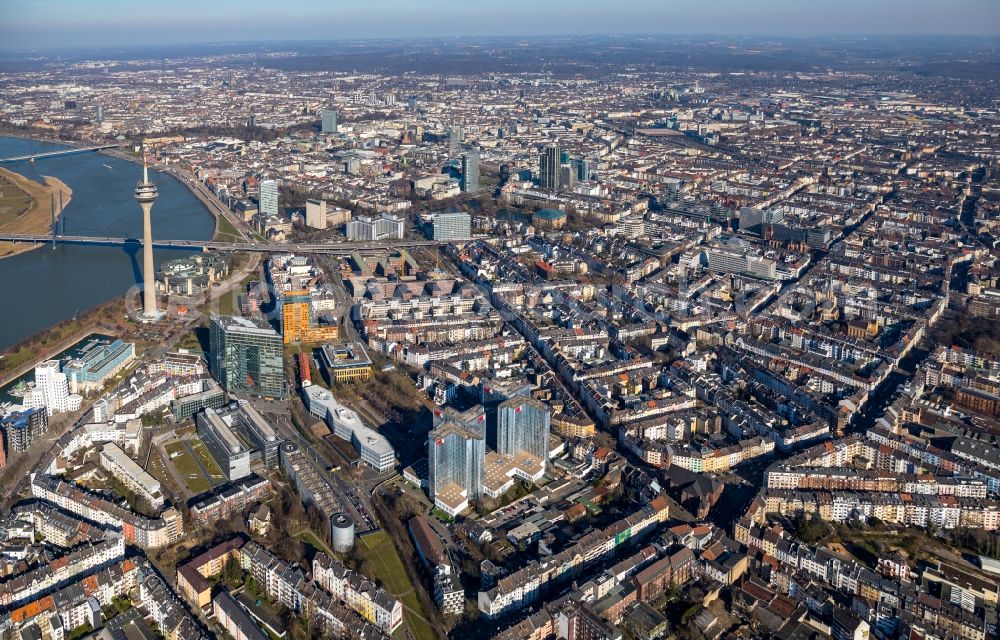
{"x": 339, "y": 39}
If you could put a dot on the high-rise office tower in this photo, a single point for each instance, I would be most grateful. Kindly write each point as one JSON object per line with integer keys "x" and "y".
{"x": 245, "y": 357}
{"x": 100, "y": 114}
{"x": 582, "y": 166}
{"x": 145, "y": 193}
{"x": 567, "y": 176}
{"x": 456, "y": 135}
{"x": 523, "y": 428}
{"x": 296, "y": 314}
{"x": 316, "y": 214}
{"x": 329, "y": 124}
{"x": 268, "y": 197}
{"x": 451, "y": 226}
{"x": 455, "y": 456}
{"x": 494, "y": 393}
{"x": 504, "y": 173}
{"x": 470, "y": 171}
{"x": 548, "y": 167}
{"x": 473, "y": 418}
{"x": 411, "y": 103}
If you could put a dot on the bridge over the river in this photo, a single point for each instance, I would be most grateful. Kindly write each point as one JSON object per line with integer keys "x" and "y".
{"x": 335, "y": 248}
{"x": 61, "y": 152}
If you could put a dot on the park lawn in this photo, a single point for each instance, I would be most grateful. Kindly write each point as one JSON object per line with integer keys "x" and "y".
{"x": 198, "y": 485}
{"x": 207, "y": 460}
{"x": 29, "y": 349}
{"x": 389, "y": 569}
{"x": 226, "y": 231}
{"x": 174, "y": 447}
{"x": 188, "y": 468}
{"x": 310, "y": 538}
{"x": 158, "y": 469}
{"x": 189, "y": 341}
{"x": 228, "y": 301}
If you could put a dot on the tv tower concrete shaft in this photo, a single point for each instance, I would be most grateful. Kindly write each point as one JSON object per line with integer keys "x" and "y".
{"x": 145, "y": 193}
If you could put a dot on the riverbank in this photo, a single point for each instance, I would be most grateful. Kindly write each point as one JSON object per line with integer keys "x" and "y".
{"x": 104, "y": 318}
{"x": 41, "y": 137}
{"x": 36, "y": 218}
{"x": 225, "y": 229}
{"x": 22, "y": 358}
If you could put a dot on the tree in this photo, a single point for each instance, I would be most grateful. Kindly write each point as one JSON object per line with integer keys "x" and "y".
{"x": 810, "y": 530}
{"x": 674, "y": 592}
{"x": 689, "y": 613}
{"x": 604, "y": 439}
{"x": 233, "y": 571}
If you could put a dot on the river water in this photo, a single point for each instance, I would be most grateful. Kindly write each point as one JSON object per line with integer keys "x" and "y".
{"x": 42, "y": 287}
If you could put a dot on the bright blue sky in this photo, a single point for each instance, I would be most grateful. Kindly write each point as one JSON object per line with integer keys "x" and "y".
{"x": 45, "y": 24}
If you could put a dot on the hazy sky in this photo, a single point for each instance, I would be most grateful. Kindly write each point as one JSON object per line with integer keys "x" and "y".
{"x": 44, "y": 24}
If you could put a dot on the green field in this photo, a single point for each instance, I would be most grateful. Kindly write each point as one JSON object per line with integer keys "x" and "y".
{"x": 14, "y": 201}
{"x": 206, "y": 460}
{"x": 229, "y": 300}
{"x": 382, "y": 553}
{"x": 188, "y": 468}
{"x": 189, "y": 341}
{"x": 313, "y": 541}
{"x": 226, "y": 232}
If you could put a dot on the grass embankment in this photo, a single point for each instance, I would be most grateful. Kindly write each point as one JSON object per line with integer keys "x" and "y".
{"x": 384, "y": 557}
{"x": 229, "y": 301}
{"x": 24, "y": 207}
{"x": 225, "y": 231}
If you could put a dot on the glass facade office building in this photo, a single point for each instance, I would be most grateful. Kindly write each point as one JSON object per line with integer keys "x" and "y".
{"x": 523, "y": 426}
{"x": 549, "y": 164}
{"x": 246, "y": 358}
{"x": 268, "y": 197}
{"x": 470, "y": 172}
{"x": 329, "y": 123}
{"x": 451, "y": 226}
{"x": 455, "y": 454}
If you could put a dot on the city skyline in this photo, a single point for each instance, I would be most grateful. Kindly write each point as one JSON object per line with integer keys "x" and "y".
{"x": 111, "y": 23}
{"x": 501, "y": 337}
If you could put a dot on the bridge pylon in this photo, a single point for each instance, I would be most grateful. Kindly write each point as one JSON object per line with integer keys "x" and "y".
{"x": 52, "y": 218}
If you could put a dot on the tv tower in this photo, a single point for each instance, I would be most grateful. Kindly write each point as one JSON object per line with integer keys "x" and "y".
{"x": 145, "y": 193}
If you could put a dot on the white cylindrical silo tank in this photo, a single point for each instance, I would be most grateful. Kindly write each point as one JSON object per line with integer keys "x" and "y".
{"x": 342, "y": 533}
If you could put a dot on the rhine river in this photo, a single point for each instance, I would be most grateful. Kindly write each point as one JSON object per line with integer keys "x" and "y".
{"x": 42, "y": 287}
